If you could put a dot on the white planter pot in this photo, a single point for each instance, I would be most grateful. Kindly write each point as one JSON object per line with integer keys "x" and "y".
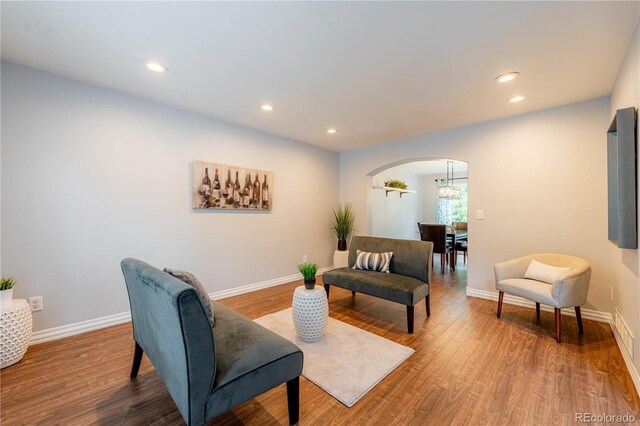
{"x": 6, "y": 296}
{"x": 340, "y": 259}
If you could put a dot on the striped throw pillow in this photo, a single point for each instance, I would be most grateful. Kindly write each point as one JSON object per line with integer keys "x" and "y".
{"x": 367, "y": 261}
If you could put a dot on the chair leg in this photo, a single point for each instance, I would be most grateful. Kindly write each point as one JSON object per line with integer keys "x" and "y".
{"x": 579, "y": 317}
{"x": 500, "y": 296}
{"x": 410, "y": 319}
{"x": 137, "y": 359}
{"x": 353, "y": 293}
{"x": 293, "y": 400}
{"x": 327, "y": 287}
{"x": 558, "y": 323}
{"x": 537, "y": 312}
{"x": 442, "y": 258}
{"x": 427, "y": 302}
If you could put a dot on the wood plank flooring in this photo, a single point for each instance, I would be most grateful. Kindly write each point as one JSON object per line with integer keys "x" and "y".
{"x": 469, "y": 368}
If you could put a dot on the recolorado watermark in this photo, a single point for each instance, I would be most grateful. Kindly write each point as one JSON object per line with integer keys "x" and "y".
{"x": 605, "y": 418}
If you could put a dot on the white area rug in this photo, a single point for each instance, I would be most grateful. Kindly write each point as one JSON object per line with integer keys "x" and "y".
{"x": 347, "y": 362}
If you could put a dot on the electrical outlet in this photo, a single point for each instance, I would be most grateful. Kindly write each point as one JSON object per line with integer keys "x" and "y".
{"x": 36, "y": 303}
{"x": 304, "y": 259}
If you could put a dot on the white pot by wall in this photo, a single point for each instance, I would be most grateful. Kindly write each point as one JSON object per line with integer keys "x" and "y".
{"x": 91, "y": 176}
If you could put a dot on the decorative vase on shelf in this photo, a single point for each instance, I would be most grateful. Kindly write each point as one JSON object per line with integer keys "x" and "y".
{"x": 342, "y": 245}
{"x": 6, "y": 296}
{"x": 309, "y": 284}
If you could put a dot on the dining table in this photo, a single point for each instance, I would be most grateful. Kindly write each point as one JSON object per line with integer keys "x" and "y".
{"x": 455, "y": 235}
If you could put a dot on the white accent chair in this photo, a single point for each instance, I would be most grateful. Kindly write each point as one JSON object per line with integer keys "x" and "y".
{"x": 568, "y": 290}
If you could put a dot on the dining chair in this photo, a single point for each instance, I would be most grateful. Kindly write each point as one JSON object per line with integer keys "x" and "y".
{"x": 437, "y": 234}
{"x": 460, "y": 245}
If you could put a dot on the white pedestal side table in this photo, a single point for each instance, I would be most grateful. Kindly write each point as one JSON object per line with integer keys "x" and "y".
{"x": 310, "y": 313}
{"x": 15, "y": 331}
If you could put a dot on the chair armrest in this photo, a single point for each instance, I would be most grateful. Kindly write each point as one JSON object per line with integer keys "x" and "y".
{"x": 514, "y": 268}
{"x": 571, "y": 289}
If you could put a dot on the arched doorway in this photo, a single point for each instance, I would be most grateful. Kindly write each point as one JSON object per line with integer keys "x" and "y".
{"x": 395, "y": 213}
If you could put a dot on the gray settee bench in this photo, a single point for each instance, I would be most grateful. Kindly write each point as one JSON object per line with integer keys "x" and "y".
{"x": 207, "y": 369}
{"x": 407, "y": 282}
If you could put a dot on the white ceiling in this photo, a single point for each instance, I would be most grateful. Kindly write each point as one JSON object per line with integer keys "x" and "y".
{"x": 377, "y": 71}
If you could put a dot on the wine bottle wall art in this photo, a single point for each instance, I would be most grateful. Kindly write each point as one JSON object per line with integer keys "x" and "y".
{"x": 224, "y": 187}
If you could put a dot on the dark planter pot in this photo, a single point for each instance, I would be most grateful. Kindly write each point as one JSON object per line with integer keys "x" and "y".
{"x": 309, "y": 285}
{"x": 342, "y": 245}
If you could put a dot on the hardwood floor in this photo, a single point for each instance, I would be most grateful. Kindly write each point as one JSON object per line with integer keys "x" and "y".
{"x": 469, "y": 368}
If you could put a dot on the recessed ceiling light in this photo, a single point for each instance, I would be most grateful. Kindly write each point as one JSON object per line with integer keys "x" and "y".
{"x": 266, "y": 107}
{"x": 156, "y": 66}
{"x": 332, "y": 131}
{"x": 504, "y": 78}
{"x": 515, "y": 99}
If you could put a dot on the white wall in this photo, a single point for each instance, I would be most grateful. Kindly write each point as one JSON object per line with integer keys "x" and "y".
{"x": 429, "y": 197}
{"x": 540, "y": 178}
{"x": 392, "y": 216}
{"x": 625, "y": 263}
{"x": 91, "y": 176}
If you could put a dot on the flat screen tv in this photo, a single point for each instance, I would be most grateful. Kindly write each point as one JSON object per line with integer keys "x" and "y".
{"x": 622, "y": 179}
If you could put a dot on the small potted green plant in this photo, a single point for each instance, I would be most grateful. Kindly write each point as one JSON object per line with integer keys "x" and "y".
{"x": 308, "y": 271}
{"x": 6, "y": 290}
{"x": 395, "y": 183}
{"x": 343, "y": 219}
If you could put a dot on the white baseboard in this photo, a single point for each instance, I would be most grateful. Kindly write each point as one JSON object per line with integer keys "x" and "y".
{"x": 115, "y": 319}
{"x": 223, "y": 294}
{"x": 78, "y": 327}
{"x": 589, "y": 314}
{"x": 627, "y": 359}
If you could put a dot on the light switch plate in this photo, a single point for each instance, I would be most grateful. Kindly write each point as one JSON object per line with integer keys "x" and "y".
{"x": 480, "y": 214}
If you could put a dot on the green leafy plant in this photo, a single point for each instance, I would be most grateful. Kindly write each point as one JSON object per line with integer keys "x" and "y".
{"x": 343, "y": 219}
{"x": 395, "y": 183}
{"x": 7, "y": 283}
{"x": 308, "y": 271}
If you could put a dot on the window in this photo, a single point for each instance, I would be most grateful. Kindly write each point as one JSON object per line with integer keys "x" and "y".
{"x": 453, "y": 210}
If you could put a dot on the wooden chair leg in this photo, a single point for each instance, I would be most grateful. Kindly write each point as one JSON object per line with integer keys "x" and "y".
{"x": 353, "y": 293}
{"x": 500, "y": 296}
{"x": 442, "y": 258}
{"x": 293, "y": 400}
{"x": 410, "y": 319}
{"x": 579, "y": 318}
{"x": 537, "y": 312}
{"x": 428, "y": 303}
{"x": 327, "y": 287}
{"x": 558, "y": 323}
{"x": 137, "y": 359}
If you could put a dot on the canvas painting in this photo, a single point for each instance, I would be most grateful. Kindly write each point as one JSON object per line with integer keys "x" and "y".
{"x": 224, "y": 187}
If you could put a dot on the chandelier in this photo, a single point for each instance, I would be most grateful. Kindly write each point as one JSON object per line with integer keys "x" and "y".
{"x": 448, "y": 190}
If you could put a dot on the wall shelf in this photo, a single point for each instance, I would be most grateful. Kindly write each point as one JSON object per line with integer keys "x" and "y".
{"x": 388, "y": 189}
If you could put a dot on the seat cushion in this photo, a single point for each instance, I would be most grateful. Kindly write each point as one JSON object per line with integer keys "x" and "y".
{"x": 394, "y": 287}
{"x": 529, "y": 289}
{"x": 250, "y": 360}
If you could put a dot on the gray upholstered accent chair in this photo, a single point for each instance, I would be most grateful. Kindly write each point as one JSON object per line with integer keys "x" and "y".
{"x": 207, "y": 370}
{"x": 568, "y": 290}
